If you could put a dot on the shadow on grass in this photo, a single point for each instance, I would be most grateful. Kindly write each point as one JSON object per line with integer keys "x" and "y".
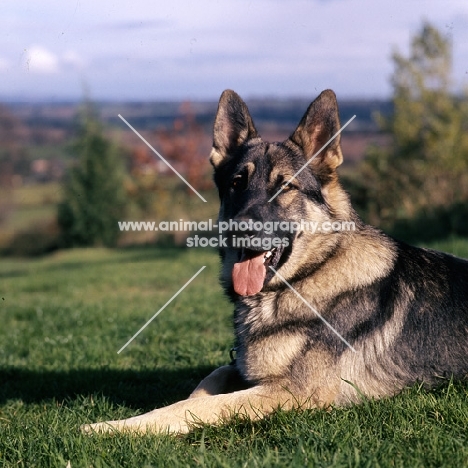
{"x": 135, "y": 389}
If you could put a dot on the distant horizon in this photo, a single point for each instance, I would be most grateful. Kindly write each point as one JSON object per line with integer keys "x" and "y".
{"x": 75, "y": 100}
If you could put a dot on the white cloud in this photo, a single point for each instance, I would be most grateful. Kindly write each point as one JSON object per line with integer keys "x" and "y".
{"x": 40, "y": 60}
{"x": 73, "y": 60}
{"x": 4, "y": 64}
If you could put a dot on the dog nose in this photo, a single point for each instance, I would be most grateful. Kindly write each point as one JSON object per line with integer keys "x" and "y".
{"x": 247, "y": 227}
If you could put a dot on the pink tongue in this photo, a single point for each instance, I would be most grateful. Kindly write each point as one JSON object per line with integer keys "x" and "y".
{"x": 249, "y": 274}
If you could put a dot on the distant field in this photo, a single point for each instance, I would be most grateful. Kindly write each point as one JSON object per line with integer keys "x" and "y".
{"x": 64, "y": 317}
{"x": 34, "y": 206}
{"x": 30, "y": 205}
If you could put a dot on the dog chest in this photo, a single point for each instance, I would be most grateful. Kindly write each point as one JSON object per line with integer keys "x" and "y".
{"x": 264, "y": 349}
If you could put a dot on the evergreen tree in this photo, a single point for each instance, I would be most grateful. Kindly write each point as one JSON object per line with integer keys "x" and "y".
{"x": 425, "y": 170}
{"x": 94, "y": 199}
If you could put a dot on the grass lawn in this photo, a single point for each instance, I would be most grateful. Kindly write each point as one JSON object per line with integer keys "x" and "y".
{"x": 63, "y": 319}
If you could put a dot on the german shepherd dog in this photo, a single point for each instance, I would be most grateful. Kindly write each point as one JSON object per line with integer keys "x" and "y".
{"x": 321, "y": 318}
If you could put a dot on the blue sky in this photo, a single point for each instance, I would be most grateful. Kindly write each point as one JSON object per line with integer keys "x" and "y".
{"x": 184, "y": 49}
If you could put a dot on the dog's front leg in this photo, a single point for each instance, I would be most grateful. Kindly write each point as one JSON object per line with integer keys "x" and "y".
{"x": 255, "y": 403}
{"x": 225, "y": 379}
{"x": 170, "y": 419}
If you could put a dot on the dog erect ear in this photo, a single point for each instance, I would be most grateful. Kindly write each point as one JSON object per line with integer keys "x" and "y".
{"x": 232, "y": 128}
{"x": 320, "y": 123}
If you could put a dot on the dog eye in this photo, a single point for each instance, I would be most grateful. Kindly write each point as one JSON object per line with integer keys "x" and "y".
{"x": 238, "y": 182}
{"x": 286, "y": 183}
{"x": 285, "y": 187}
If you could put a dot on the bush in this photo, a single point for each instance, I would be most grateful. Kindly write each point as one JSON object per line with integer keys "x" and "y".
{"x": 94, "y": 191}
{"x": 35, "y": 240}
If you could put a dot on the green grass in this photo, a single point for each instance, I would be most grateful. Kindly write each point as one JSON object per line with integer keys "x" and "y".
{"x": 64, "y": 318}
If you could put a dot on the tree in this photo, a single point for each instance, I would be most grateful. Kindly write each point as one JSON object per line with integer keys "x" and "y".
{"x": 94, "y": 198}
{"x": 425, "y": 171}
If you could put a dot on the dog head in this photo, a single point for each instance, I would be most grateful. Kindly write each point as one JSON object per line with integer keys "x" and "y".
{"x": 266, "y": 187}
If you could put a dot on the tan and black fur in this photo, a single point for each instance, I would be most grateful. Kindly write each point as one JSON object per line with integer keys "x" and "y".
{"x": 403, "y": 310}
